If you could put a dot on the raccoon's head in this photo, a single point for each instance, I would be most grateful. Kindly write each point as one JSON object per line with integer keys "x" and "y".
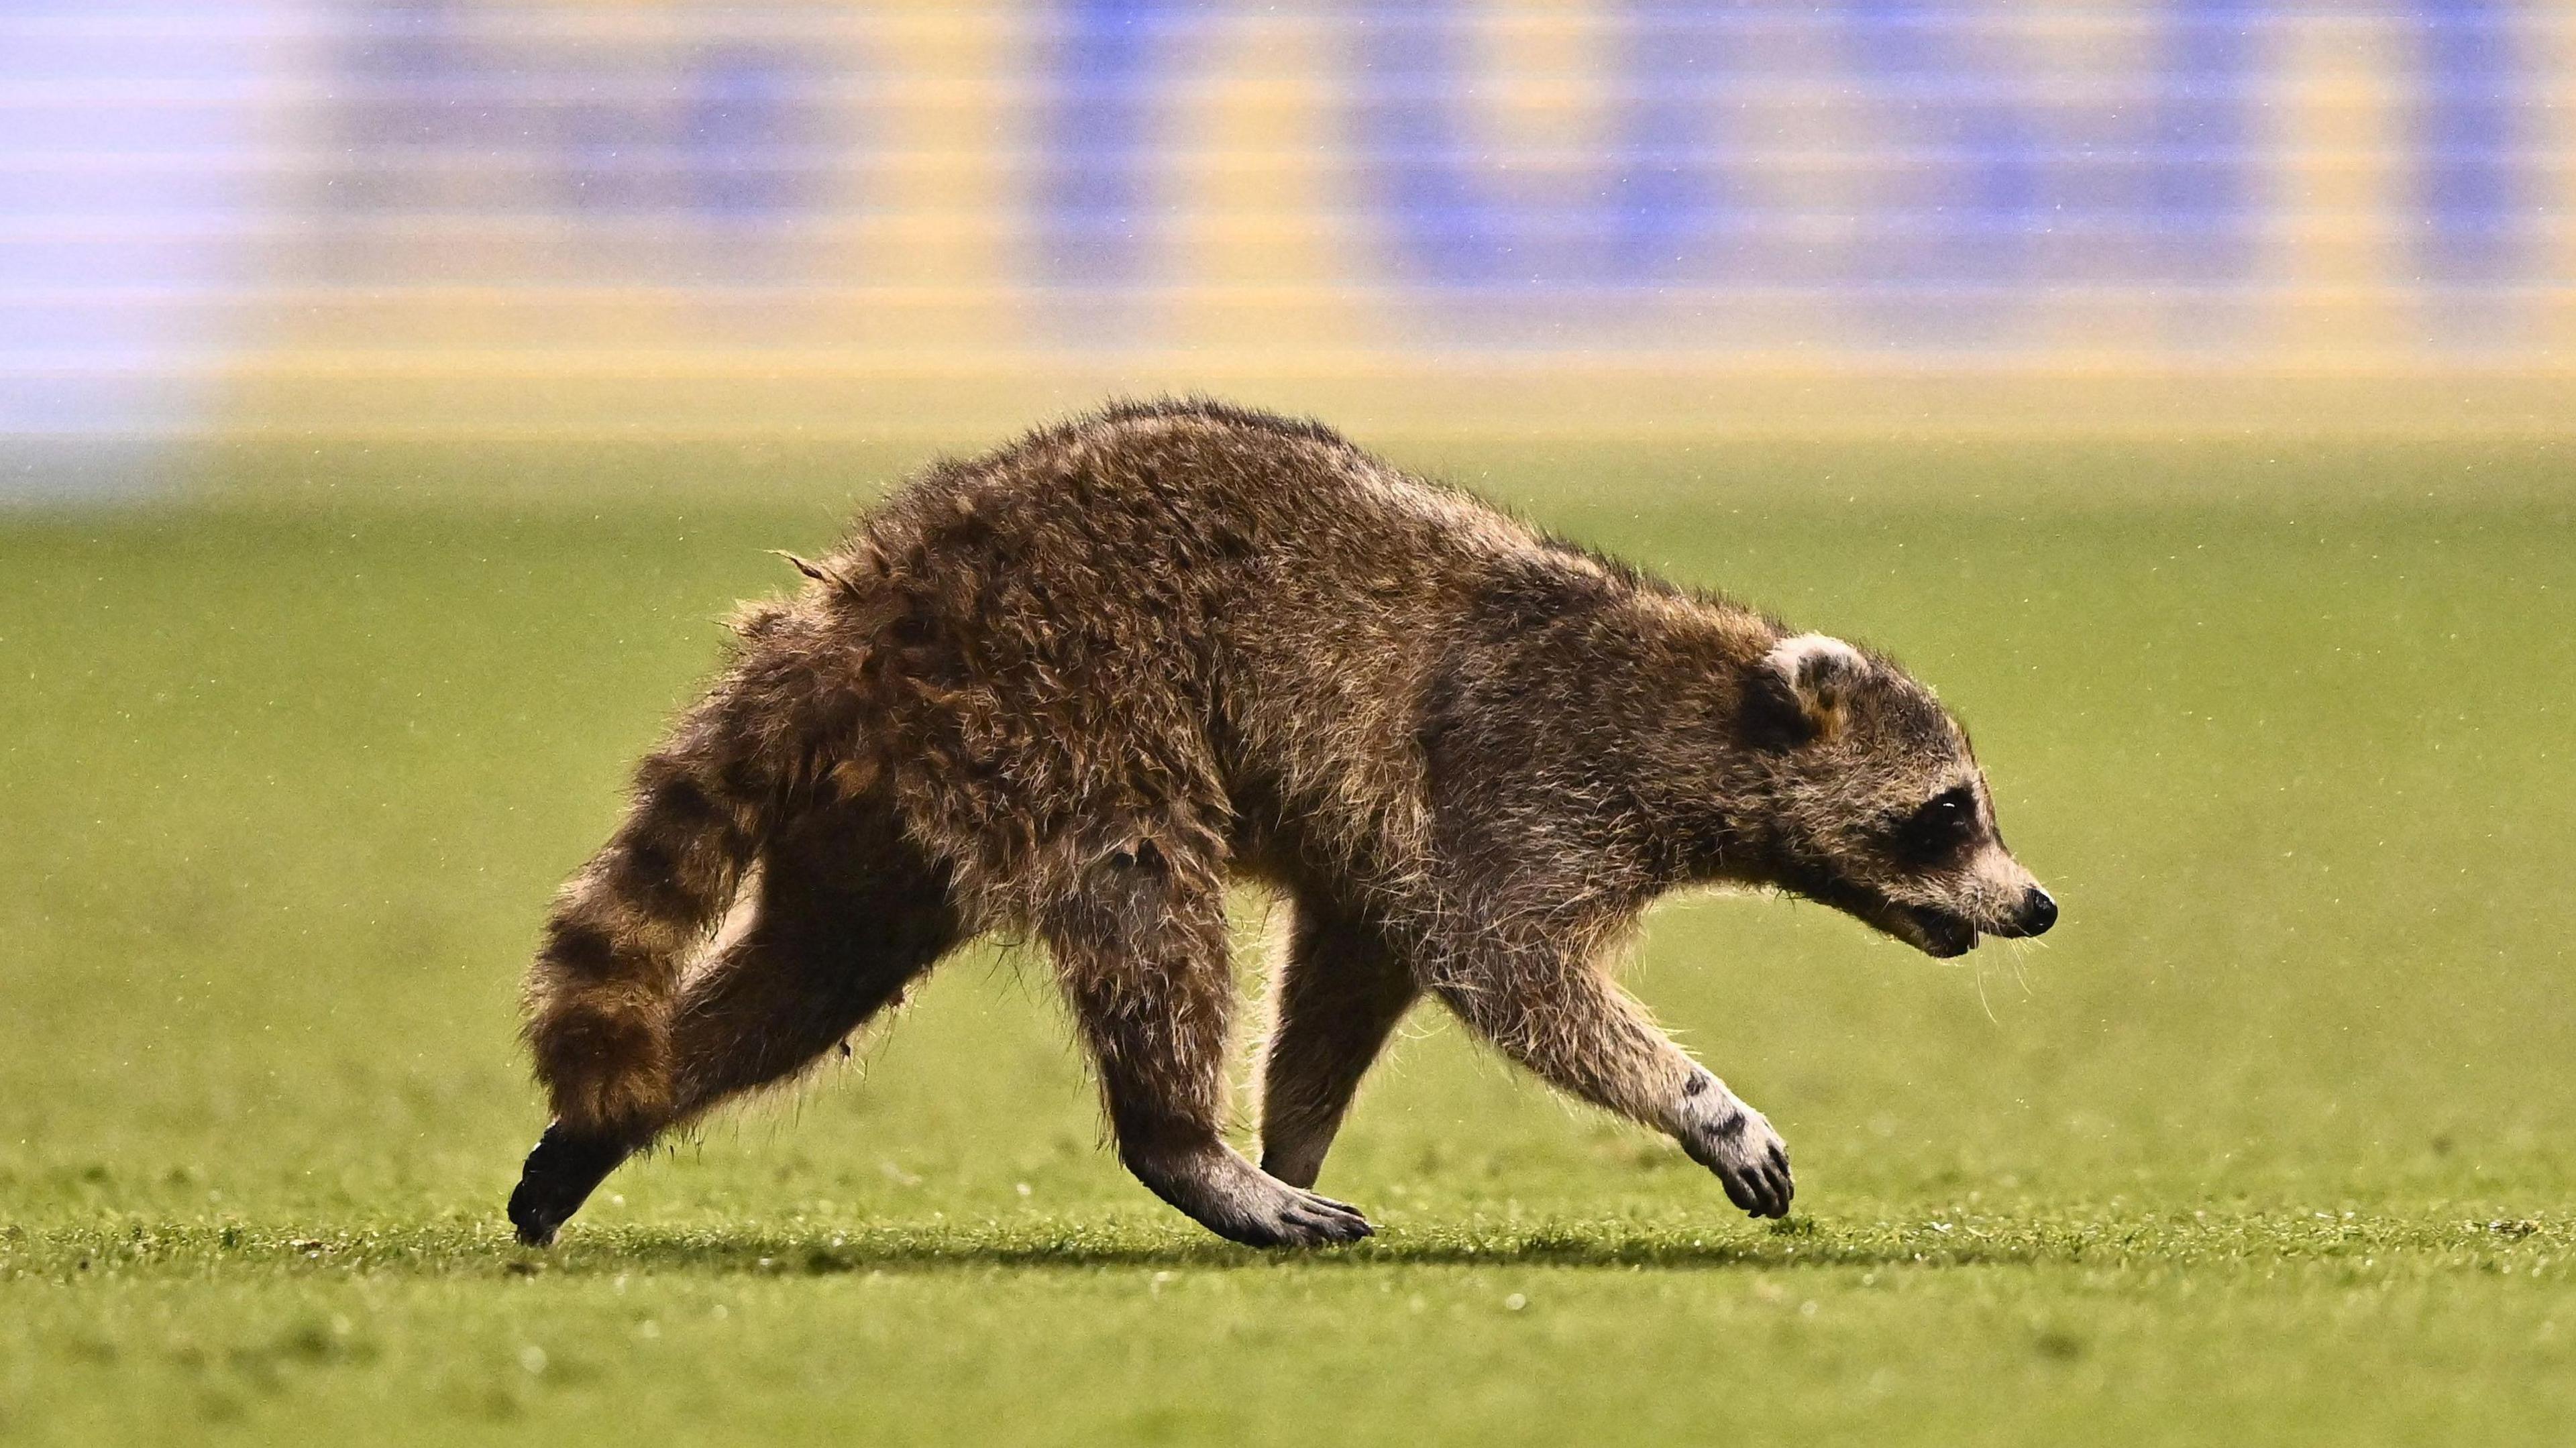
{"x": 1873, "y": 802}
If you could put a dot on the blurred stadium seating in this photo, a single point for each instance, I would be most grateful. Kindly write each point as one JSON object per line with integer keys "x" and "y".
{"x": 272, "y": 219}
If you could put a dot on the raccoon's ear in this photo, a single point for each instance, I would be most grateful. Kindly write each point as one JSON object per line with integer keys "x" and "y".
{"x": 1798, "y": 693}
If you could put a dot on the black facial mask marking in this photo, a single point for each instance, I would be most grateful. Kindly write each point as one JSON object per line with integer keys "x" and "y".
{"x": 1936, "y": 833}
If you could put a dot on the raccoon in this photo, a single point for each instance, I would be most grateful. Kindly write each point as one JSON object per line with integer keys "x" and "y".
{"x": 1069, "y": 689}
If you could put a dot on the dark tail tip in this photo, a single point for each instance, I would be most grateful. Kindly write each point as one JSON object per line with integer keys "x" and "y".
{"x": 560, "y": 1174}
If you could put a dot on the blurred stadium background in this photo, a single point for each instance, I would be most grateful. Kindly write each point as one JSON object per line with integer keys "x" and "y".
{"x": 265, "y": 220}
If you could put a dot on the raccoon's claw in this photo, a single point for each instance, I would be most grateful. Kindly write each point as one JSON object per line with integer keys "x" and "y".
{"x": 1750, "y": 1160}
{"x": 1230, "y": 1197}
{"x": 560, "y": 1174}
{"x": 1761, "y": 1188}
{"x": 1315, "y": 1221}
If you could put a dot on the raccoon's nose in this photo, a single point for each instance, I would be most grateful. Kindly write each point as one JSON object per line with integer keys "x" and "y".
{"x": 2038, "y": 912}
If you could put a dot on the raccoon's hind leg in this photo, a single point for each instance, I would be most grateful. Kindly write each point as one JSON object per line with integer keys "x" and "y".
{"x": 1141, "y": 947}
{"x": 1341, "y": 991}
{"x": 845, "y": 917}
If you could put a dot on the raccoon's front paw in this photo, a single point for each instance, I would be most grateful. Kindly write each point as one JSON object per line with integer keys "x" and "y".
{"x": 1736, "y": 1142}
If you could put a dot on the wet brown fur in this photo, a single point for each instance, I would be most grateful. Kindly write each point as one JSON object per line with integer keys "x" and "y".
{"x": 1069, "y": 688}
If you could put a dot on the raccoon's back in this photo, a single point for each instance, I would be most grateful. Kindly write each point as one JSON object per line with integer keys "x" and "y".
{"x": 1151, "y": 532}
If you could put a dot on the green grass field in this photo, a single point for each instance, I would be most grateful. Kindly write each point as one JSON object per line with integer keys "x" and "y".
{"x": 2270, "y": 1143}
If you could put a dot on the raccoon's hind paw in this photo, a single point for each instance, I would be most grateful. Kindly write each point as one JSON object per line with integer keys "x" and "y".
{"x": 560, "y": 1174}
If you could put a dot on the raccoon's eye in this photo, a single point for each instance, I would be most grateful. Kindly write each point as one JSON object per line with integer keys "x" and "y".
{"x": 1936, "y": 831}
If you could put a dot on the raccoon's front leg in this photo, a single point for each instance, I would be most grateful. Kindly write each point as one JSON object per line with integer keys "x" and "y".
{"x": 1142, "y": 951}
{"x": 1573, "y": 1028}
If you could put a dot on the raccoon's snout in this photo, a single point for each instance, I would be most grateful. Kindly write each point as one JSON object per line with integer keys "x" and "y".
{"x": 2038, "y": 912}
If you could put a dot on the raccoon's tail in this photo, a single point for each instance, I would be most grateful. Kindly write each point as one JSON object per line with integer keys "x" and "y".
{"x": 600, "y": 994}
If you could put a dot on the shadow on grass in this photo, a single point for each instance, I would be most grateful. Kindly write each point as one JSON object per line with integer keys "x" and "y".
{"x": 460, "y": 1249}
{"x": 1808, "y": 1248}
{"x": 463, "y": 1247}
{"x": 608, "y": 1251}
